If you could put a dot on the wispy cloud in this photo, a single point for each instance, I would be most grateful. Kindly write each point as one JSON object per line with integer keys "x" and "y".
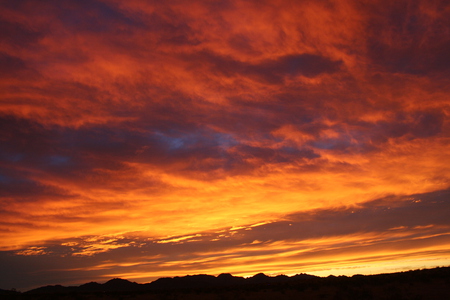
{"x": 344, "y": 240}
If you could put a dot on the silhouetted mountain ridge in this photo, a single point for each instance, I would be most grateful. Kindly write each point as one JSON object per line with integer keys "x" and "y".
{"x": 8, "y": 292}
{"x": 225, "y": 281}
{"x": 185, "y": 282}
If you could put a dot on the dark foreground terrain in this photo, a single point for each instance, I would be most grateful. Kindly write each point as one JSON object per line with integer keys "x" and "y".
{"x": 415, "y": 285}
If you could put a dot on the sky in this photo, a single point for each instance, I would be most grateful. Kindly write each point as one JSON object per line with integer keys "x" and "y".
{"x": 144, "y": 139}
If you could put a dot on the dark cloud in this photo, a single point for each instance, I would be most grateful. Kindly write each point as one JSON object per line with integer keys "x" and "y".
{"x": 243, "y": 44}
{"x": 428, "y": 123}
{"x": 419, "y": 124}
{"x": 12, "y": 67}
{"x": 92, "y": 16}
{"x": 18, "y": 35}
{"x": 33, "y": 146}
{"x": 76, "y": 153}
{"x": 269, "y": 155}
{"x": 73, "y": 153}
{"x": 172, "y": 28}
{"x": 272, "y": 71}
{"x": 410, "y": 37}
{"x": 378, "y": 215}
{"x": 309, "y": 65}
{"x": 358, "y": 136}
{"x": 22, "y": 189}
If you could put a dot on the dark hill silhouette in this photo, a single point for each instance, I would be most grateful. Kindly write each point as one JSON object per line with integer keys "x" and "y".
{"x": 226, "y": 279}
{"x": 53, "y": 289}
{"x": 8, "y": 293}
{"x": 90, "y": 287}
{"x": 418, "y": 284}
{"x": 189, "y": 281}
{"x": 119, "y": 285}
{"x": 303, "y": 276}
{"x": 259, "y": 278}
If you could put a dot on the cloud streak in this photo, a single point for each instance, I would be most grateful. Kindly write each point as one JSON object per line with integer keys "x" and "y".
{"x": 364, "y": 238}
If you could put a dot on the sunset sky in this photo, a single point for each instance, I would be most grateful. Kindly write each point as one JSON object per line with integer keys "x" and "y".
{"x": 142, "y": 139}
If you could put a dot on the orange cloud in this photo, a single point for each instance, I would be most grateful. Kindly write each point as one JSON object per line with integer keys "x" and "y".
{"x": 158, "y": 122}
